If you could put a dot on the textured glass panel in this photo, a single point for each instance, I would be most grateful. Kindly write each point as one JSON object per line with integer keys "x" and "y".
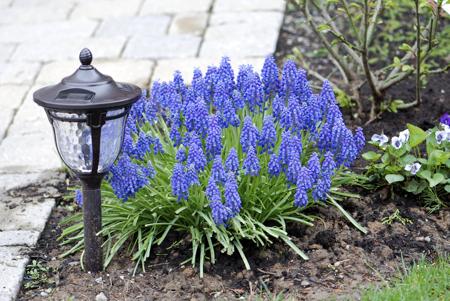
{"x": 74, "y": 143}
{"x": 111, "y": 140}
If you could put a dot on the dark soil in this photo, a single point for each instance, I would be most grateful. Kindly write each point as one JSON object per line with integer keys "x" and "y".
{"x": 342, "y": 260}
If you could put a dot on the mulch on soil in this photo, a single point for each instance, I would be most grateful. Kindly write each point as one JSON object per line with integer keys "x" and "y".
{"x": 342, "y": 260}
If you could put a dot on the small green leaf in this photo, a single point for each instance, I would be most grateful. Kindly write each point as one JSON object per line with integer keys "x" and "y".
{"x": 437, "y": 179}
{"x": 323, "y": 27}
{"x": 371, "y": 156}
{"x": 447, "y": 188}
{"x": 416, "y": 135}
{"x": 438, "y": 157}
{"x": 393, "y": 178}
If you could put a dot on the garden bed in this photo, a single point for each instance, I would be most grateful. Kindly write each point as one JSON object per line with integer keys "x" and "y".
{"x": 342, "y": 260}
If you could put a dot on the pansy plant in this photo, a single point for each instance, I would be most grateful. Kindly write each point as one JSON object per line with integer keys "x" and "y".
{"x": 415, "y": 160}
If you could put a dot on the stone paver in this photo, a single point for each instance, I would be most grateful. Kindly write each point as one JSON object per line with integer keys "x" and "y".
{"x": 102, "y": 9}
{"x": 18, "y": 238}
{"x": 12, "y": 267}
{"x": 136, "y": 41}
{"x": 18, "y": 72}
{"x": 137, "y": 26}
{"x": 174, "y": 6}
{"x": 74, "y": 29}
{"x": 248, "y": 5}
{"x": 189, "y": 23}
{"x": 180, "y": 46}
{"x": 11, "y": 97}
{"x": 63, "y": 48}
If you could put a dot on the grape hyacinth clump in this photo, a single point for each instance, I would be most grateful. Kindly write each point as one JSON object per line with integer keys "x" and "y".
{"x": 231, "y": 152}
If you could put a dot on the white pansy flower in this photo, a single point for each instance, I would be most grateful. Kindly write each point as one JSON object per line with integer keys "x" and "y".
{"x": 440, "y": 136}
{"x": 396, "y": 142}
{"x": 404, "y": 135}
{"x": 381, "y": 139}
{"x": 413, "y": 168}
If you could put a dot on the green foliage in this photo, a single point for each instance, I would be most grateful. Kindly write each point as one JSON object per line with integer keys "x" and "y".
{"x": 424, "y": 281}
{"x": 396, "y": 217}
{"x": 420, "y": 166}
{"x": 37, "y": 275}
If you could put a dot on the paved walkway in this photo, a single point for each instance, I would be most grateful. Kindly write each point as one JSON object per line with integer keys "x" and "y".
{"x": 136, "y": 41}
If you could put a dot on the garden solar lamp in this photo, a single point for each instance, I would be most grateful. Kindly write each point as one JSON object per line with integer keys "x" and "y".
{"x": 88, "y": 112}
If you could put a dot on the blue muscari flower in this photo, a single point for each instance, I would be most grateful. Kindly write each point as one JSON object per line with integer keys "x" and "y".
{"x": 304, "y": 91}
{"x": 198, "y": 85}
{"x": 131, "y": 125}
{"x": 220, "y": 94}
{"x": 143, "y": 146}
{"x": 179, "y": 182}
{"x": 175, "y": 136}
{"x": 244, "y": 74}
{"x": 284, "y": 152}
{"x": 196, "y": 117}
{"x": 321, "y": 189}
{"x": 228, "y": 115}
{"x": 232, "y": 161}
{"x": 295, "y": 111}
{"x": 79, "y": 198}
{"x": 328, "y": 165}
{"x": 214, "y": 138}
{"x": 232, "y": 198}
{"x": 157, "y": 146}
{"x": 254, "y": 93}
{"x": 294, "y": 167}
{"x": 289, "y": 76}
{"x": 301, "y": 197}
{"x": 360, "y": 140}
{"x": 269, "y": 74}
{"x": 251, "y": 163}
{"x": 127, "y": 146}
{"x": 327, "y": 94}
{"x": 304, "y": 178}
{"x": 226, "y": 74}
{"x": 217, "y": 171}
{"x": 274, "y": 167}
{"x": 127, "y": 178}
{"x": 150, "y": 111}
{"x": 314, "y": 166}
{"x": 325, "y": 137}
{"x": 212, "y": 190}
{"x": 149, "y": 170}
{"x": 295, "y": 145}
{"x": 192, "y": 175}
{"x": 249, "y": 134}
{"x": 179, "y": 83}
{"x": 278, "y": 107}
{"x": 220, "y": 213}
{"x": 346, "y": 152}
{"x": 238, "y": 100}
{"x": 196, "y": 156}
{"x": 285, "y": 120}
{"x": 181, "y": 155}
{"x": 268, "y": 135}
{"x": 211, "y": 78}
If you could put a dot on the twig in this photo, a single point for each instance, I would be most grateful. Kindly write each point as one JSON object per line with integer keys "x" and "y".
{"x": 418, "y": 100}
{"x": 325, "y": 42}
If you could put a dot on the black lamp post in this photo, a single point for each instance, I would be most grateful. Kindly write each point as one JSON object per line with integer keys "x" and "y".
{"x": 88, "y": 111}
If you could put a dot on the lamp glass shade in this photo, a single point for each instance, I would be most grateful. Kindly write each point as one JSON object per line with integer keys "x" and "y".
{"x": 74, "y": 140}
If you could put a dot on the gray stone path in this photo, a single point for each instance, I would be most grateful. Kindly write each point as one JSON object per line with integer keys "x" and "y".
{"x": 136, "y": 41}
